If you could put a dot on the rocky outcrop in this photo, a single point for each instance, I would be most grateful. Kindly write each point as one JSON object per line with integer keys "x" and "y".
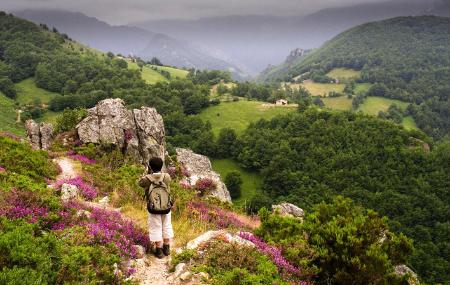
{"x": 139, "y": 133}
{"x": 402, "y": 270}
{"x": 40, "y": 135}
{"x": 287, "y": 209}
{"x": 199, "y": 166}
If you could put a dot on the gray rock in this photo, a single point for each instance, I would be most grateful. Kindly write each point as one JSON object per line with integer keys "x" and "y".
{"x": 186, "y": 276}
{"x": 179, "y": 269}
{"x": 402, "y": 270}
{"x": 39, "y": 135}
{"x": 138, "y": 133}
{"x": 199, "y": 166}
{"x": 104, "y": 201}
{"x": 287, "y": 209}
{"x": 83, "y": 213}
{"x": 205, "y": 237}
{"x": 69, "y": 192}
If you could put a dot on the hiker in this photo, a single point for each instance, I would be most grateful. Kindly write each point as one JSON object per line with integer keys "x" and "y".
{"x": 159, "y": 203}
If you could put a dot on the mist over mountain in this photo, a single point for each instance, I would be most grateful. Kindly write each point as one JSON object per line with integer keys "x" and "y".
{"x": 257, "y": 41}
{"x": 129, "y": 40}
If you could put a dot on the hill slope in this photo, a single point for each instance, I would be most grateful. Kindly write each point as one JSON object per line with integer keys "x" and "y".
{"x": 408, "y": 56}
{"x": 128, "y": 40}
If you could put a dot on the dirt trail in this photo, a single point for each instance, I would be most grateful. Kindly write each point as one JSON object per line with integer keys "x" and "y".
{"x": 149, "y": 270}
{"x": 68, "y": 168}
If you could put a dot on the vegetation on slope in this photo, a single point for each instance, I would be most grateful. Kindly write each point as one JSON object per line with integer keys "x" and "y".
{"x": 309, "y": 157}
{"x": 408, "y": 57}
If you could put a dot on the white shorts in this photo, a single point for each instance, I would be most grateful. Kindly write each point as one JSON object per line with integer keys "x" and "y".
{"x": 160, "y": 227}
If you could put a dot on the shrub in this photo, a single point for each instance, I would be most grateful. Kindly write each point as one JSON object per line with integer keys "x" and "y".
{"x": 69, "y": 119}
{"x": 233, "y": 180}
{"x": 204, "y": 185}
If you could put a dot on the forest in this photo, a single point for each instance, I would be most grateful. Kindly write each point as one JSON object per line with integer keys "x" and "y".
{"x": 312, "y": 156}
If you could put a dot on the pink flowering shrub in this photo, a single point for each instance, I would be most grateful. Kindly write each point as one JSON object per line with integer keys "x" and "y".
{"x": 219, "y": 217}
{"x": 2, "y": 169}
{"x": 185, "y": 185}
{"x": 104, "y": 227}
{"x": 17, "y": 205}
{"x": 273, "y": 253}
{"x": 87, "y": 190}
{"x": 84, "y": 159}
{"x": 204, "y": 185}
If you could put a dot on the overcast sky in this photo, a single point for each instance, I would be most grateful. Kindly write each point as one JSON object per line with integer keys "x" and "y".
{"x": 125, "y": 11}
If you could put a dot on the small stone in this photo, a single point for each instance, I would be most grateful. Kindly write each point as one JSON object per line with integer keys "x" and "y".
{"x": 204, "y": 275}
{"x": 179, "y": 269}
{"x": 104, "y": 201}
{"x": 185, "y": 276}
{"x": 68, "y": 192}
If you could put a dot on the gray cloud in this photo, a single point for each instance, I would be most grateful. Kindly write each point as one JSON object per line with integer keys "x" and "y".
{"x": 124, "y": 11}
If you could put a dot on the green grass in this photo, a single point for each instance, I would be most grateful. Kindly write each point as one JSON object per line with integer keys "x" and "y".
{"x": 338, "y": 103}
{"x": 373, "y": 105}
{"x": 49, "y": 117}
{"x": 238, "y": 115}
{"x": 322, "y": 89}
{"x": 8, "y": 117}
{"x": 409, "y": 123}
{"x": 344, "y": 73}
{"x": 362, "y": 87}
{"x": 174, "y": 72}
{"x": 251, "y": 181}
{"x": 28, "y": 93}
{"x": 149, "y": 75}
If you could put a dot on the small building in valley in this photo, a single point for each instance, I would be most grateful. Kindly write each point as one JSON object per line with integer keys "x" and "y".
{"x": 281, "y": 102}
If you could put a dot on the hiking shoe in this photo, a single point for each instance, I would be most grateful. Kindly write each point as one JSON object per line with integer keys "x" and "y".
{"x": 166, "y": 249}
{"x": 159, "y": 252}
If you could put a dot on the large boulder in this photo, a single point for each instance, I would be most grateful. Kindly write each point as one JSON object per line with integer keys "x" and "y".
{"x": 40, "y": 135}
{"x": 199, "y": 166}
{"x": 139, "y": 132}
{"x": 287, "y": 209}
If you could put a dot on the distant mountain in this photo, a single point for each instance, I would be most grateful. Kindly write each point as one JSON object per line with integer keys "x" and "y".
{"x": 257, "y": 41}
{"x": 129, "y": 40}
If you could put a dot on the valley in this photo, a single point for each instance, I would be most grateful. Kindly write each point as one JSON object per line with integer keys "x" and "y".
{"x": 350, "y": 140}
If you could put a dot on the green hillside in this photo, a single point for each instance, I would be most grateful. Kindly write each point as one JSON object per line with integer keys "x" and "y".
{"x": 174, "y": 72}
{"x": 409, "y": 58}
{"x": 8, "y": 117}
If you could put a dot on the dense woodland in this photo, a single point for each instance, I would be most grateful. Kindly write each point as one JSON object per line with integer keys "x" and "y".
{"x": 312, "y": 156}
{"x": 408, "y": 57}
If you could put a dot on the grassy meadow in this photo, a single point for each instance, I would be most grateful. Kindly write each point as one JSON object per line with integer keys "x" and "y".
{"x": 344, "y": 73}
{"x": 8, "y": 117}
{"x": 373, "y": 105}
{"x": 341, "y": 103}
{"x": 28, "y": 93}
{"x": 238, "y": 115}
{"x": 149, "y": 75}
{"x": 174, "y": 72}
{"x": 251, "y": 181}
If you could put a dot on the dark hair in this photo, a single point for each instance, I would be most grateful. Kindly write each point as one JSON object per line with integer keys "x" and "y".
{"x": 156, "y": 164}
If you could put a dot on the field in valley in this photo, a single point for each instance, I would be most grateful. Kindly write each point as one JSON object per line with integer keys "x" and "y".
{"x": 251, "y": 181}
{"x": 238, "y": 115}
{"x": 373, "y": 105}
{"x": 174, "y": 72}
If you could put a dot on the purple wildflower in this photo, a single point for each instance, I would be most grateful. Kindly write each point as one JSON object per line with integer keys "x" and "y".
{"x": 87, "y": 190}
{"x": 2, "y": 169}
{"x": 215, "y": 215}
{"x": 19, "y": 205}
{"x": 272, "y": 252}
{"x": 84, "y": 159}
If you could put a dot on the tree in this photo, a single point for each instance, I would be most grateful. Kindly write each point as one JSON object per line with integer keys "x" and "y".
{"x": 233, "y": 180}
{"x": 226, "y": 143}
{"x": 7, "y": 87}
{"x": 155, "y": 61}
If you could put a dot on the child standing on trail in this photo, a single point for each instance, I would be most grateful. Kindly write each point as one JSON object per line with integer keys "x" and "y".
{"x": 159, "y": 204}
